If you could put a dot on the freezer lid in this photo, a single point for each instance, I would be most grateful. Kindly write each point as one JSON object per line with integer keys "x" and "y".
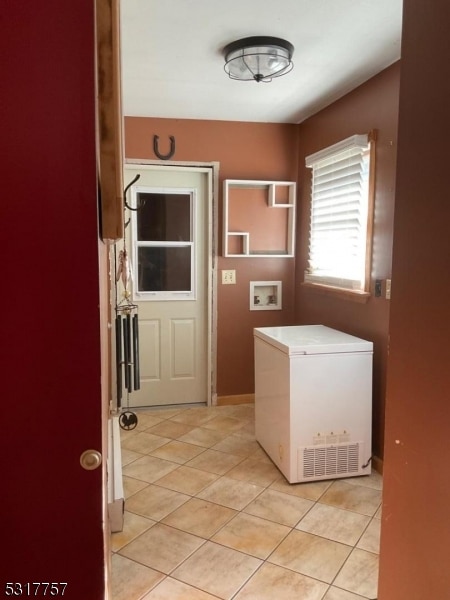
{"x": 311, "y": 339}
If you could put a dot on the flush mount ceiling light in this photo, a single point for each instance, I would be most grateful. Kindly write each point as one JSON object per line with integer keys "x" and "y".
{"x": 259, "y": 58}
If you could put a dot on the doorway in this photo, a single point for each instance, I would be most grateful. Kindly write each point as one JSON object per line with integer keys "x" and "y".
{"x": 170, "y": 239}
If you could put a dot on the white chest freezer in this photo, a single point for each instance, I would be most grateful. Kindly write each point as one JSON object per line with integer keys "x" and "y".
{"x": 313, "y": 401}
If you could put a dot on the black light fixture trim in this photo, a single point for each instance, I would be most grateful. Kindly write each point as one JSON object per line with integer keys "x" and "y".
{"x": 240, "y": 52}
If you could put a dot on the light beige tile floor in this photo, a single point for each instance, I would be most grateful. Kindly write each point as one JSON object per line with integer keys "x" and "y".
{"x": 208, "y": 516}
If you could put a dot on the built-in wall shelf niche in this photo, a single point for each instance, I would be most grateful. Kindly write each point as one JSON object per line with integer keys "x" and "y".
{"x": 258, "y": 218}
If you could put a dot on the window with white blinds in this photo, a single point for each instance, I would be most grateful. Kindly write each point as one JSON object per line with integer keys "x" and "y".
{"x": 340, "y": 206}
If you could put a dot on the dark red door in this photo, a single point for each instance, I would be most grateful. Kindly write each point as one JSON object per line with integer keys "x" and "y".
{"x": 52, "y": 508}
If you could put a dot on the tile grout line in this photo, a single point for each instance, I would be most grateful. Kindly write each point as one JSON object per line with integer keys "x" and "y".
{"x": 240, "y": 511}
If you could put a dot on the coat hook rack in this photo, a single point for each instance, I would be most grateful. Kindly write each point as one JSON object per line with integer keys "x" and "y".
{"x": 160, "y": 154}
{"x": 126, "y": 205}
{"x": 141, "y": 203}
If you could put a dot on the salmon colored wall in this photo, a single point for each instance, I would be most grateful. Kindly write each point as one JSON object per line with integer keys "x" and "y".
{"x": 262, "y": 151}
{"x": 374, "y": 105}
{"x": 415, "y": 536}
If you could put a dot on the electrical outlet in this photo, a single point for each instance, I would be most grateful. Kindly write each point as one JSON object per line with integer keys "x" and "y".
{"x": 229, "y": 277}
{"x": 388, "y": 289}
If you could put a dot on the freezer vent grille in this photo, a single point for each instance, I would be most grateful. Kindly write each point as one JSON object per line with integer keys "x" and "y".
{"x": 330, "y": 460}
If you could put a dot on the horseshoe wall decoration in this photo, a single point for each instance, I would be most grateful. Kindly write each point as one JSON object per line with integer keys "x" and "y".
{"x": 156, "y": 148}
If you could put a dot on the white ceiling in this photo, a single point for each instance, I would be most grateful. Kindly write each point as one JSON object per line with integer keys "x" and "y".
{"x": 172, "y": 64}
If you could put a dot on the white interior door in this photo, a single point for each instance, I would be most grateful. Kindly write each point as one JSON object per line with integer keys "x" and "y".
{"x": 169, "y": 242}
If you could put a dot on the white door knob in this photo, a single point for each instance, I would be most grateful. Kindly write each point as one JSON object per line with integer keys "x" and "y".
{"x": 90, "y": 459}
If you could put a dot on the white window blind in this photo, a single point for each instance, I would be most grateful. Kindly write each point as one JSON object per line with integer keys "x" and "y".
{"x": 339, "y": 214}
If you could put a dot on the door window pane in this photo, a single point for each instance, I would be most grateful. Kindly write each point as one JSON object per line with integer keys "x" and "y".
{"x": 164, "y": 269}
{"x": 163, "y": 217}
{"x": 164, "y": 244}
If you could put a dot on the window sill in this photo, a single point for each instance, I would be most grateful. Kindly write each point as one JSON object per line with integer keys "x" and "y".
{"x": 329, "y": 290}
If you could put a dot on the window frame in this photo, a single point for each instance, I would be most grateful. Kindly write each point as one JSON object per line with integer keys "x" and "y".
{"x": 339, "y": 285}
{"x": 143, "y": 295}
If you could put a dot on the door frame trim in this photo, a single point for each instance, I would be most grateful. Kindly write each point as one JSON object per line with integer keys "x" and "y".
{"x": 211, "y": 169}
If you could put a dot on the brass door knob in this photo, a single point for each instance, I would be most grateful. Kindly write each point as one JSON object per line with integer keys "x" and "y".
{"x": 90, "y": 459}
